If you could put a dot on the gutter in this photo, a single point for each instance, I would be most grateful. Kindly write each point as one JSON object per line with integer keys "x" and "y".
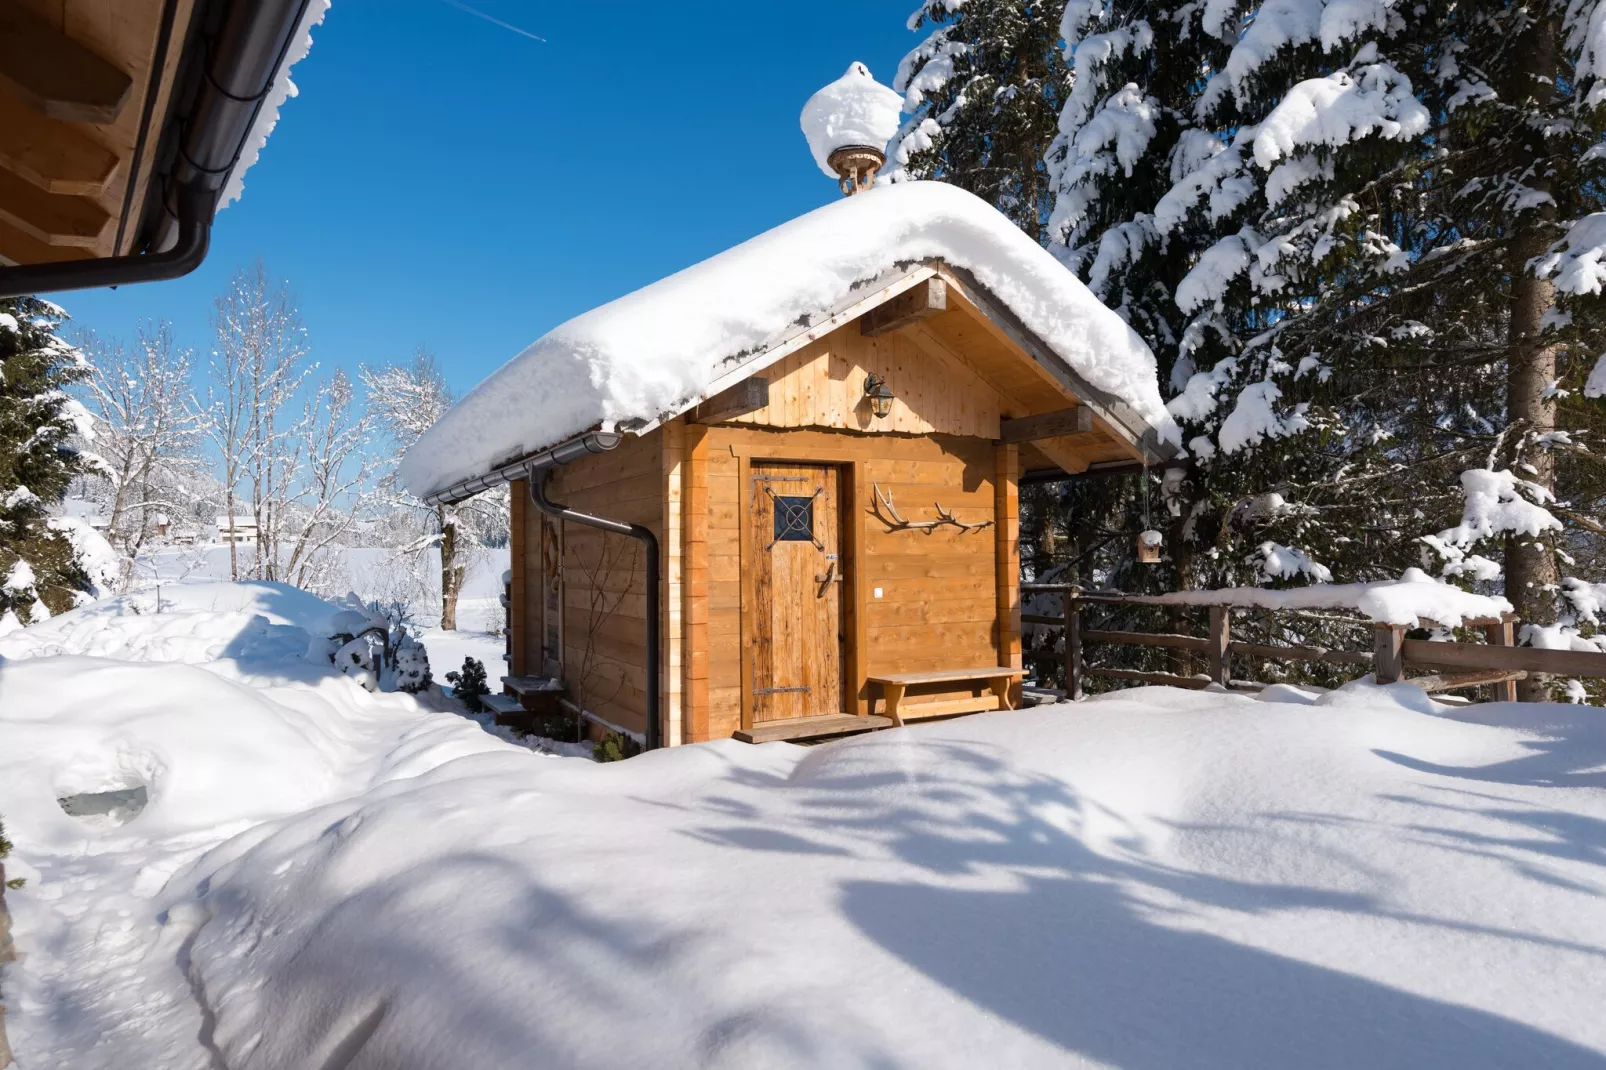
{"x": 649, "y": 543}
{"x": 231, "y": 71}
{"x": 526, "y": 467}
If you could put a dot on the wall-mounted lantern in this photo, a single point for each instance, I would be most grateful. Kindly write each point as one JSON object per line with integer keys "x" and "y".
{"x": 881, "y": 399}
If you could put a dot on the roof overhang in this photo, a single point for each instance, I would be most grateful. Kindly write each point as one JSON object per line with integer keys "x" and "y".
{"x": 1142, "y": 441}
{"x": 120, "y": 127}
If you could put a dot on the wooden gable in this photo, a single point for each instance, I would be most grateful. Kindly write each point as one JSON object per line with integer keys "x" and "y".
{"x": 953, "y": 369}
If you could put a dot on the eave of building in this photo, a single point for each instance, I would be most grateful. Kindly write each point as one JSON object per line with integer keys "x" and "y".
{"x": 1116, "y": 428}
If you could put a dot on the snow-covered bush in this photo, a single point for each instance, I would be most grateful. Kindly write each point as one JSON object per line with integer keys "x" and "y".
{"x": 372, "y": 643}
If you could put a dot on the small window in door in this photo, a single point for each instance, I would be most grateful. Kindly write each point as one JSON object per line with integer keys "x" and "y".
{"x": 794, "y": 519}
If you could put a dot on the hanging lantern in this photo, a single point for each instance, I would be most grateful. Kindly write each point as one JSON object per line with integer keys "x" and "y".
{"x": 880, "y": 398}
{"x": 1149, "y": 547}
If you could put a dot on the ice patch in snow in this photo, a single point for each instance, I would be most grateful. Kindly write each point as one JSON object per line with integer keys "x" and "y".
{"x": 853, "y": 110}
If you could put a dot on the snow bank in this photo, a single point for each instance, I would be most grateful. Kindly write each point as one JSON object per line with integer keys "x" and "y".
{"x": 194, "y": 623}
{"x": 1156, "y": 879}
{"x": 854, "y": 110}
{"x": 1413, "y": 598}
{"x": 660, "y": 348}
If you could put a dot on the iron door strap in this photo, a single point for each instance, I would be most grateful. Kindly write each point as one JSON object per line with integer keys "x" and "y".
{"x": 780, "y": 690}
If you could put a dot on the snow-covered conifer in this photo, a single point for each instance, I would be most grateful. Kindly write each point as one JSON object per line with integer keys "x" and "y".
{"x": 40, "y": 574}
{"x": 983, "y": 90}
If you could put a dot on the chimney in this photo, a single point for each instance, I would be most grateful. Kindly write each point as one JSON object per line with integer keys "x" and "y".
{"x": 848, "y": 124}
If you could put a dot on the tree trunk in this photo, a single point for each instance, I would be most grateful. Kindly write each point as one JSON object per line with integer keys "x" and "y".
{"x": 1530, "y": 565}
{"x": 234, "y": 552}
{"x": 451, "y": 571}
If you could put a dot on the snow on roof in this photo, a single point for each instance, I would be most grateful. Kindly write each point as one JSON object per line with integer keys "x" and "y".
{"x": 279, "y": 91}
{"x": 853, "y": 110}
{"x": 657, "y": 351}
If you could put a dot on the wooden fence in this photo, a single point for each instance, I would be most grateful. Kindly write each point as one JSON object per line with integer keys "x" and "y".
{"x": 1498, "y": 662}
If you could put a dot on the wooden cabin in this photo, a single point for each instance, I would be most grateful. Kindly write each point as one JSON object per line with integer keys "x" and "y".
{"x": 837, "y": 524}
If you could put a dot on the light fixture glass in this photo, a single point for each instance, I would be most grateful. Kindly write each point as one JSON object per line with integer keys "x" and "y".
{"x": 881, "y": 399}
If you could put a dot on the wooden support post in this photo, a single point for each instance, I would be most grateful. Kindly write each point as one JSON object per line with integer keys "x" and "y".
{"x": 893, "y": 696}
{"x": 1219, "y": 640}
{"x": 1073, "y": 647}
{"x": 1503, "y": 634}
{"x": 1388, "y": 654}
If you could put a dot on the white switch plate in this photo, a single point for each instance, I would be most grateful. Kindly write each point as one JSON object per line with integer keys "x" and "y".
{"x": 878, "y": 592}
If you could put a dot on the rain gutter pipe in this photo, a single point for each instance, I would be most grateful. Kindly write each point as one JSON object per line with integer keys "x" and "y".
{"x": 236, "y": 69}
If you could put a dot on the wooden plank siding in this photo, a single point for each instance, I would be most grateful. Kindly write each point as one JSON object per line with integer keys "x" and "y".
{"x": 626, "y": 484}
{"x": 939, "y": 606}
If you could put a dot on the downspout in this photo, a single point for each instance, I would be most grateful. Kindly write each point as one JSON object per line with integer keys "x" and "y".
{"x": 650, "y": 543}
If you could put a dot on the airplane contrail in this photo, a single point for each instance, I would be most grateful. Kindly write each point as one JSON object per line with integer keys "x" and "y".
{"x": 494, "y": 20}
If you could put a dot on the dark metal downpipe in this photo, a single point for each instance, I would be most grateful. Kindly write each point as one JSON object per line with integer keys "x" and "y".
{"x": 650, "y": 541}
{"x": 226, "y": 89}
{"x": 194, "y": 237}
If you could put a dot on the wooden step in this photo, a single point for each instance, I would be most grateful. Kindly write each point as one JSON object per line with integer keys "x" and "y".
{"x": 531, "y": 685}
{"x": 502, "y": 704}
{"x": 840, "y": 724}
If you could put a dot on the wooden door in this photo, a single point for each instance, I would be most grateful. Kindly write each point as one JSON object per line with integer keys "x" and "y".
{"x": 792, "y": 630}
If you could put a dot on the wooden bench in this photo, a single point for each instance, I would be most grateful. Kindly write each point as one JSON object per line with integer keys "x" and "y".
{"x": 998, "y": 679}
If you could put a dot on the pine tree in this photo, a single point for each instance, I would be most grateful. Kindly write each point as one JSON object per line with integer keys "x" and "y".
{"x": 39, "y": 574}
{"x": 984, "y": 90}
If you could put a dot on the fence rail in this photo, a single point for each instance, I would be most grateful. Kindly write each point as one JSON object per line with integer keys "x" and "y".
{"x": 1498, "y": 662}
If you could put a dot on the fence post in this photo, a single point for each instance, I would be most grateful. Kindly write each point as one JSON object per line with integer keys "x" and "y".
{"x": 1072, "y": 610}
{"x": 1388, "y": 653}
{"x": 1503, "y": 633}
{"x": 1220, "y": 636}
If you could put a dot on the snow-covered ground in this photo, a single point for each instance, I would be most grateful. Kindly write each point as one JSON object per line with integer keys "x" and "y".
{"x": 323, "y": 877}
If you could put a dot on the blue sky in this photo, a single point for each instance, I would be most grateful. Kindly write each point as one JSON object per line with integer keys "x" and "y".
{"x": 446, "y": 182}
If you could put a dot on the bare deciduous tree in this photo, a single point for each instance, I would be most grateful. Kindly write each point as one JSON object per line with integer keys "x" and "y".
{"x": 405, "y": 401}
{"x": 147, "y": 430}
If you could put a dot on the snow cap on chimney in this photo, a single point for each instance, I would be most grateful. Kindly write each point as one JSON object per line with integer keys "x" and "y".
{"x": 848, "y": 124}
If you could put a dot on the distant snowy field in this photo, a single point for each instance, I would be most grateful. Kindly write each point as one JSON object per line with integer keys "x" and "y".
{"x": 324, "y": 877}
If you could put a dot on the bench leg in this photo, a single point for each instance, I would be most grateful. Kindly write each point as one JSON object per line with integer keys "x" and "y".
{"x": 1000, "y": 687}
{"x": 893, "y": 693}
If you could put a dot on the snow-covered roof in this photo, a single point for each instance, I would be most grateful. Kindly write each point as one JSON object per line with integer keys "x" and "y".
{"x": 656, "y": 352}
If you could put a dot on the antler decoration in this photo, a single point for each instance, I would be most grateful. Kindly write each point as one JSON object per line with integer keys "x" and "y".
{"x": 898, "y": 523}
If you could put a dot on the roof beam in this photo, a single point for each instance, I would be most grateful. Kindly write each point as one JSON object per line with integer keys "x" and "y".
{"x": 55, "y": 75}
{"x": 51, "y": 154}
{"x": 747, "y": 396}
{"x": 1063, "y": 453}
{"x": 19, "y": 247}
{"x": 53, "y": 218}
{"x": 1077, "y": 420}
{"x": 1113, "y": 414}
{"x": 911, "y": 306}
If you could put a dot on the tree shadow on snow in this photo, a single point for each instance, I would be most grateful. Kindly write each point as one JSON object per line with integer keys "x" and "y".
{"x": 1070, "y": 948}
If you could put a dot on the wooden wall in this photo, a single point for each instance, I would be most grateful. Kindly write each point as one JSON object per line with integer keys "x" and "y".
{"x": 822, "y": 385}
{"x": 940, "y": 599}
{"x": 949, "y": 598}
{"x": 604, "y": 599}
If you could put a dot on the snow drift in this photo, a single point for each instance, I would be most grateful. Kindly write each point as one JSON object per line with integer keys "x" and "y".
{"x": 325, "y": 877}
{"x": 659, "y": 349}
